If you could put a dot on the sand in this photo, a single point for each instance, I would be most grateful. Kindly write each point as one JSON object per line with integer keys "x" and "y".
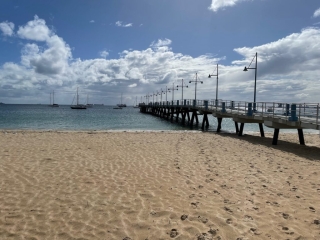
{"x": 158, "y": 185}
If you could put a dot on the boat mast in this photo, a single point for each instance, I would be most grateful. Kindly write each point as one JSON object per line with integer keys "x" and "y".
{"x": 53, "y": 97}
{"x": 77, "y": 97}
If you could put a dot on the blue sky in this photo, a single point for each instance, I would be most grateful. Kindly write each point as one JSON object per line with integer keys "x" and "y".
{"x": 138, "y": 47}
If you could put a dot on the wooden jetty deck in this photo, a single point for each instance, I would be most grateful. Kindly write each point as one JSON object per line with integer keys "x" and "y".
{"x": 274, "y": 115}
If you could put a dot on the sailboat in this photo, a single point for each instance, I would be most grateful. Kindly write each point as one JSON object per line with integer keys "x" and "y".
{"x": 136, "y": 104}
{"x": 78, "y": 106}
{"x": 121, "y": 105}
{"x": 53, "y": 104}
{"x": 89, "y": 105}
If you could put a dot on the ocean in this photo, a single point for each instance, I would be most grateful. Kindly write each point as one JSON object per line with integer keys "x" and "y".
{"x": 100, "y": 118}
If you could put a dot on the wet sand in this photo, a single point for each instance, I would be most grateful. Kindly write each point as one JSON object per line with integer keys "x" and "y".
{"x": 158, "y": 185}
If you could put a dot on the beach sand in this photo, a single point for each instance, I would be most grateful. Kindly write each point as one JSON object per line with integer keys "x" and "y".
{"x": 158, "y": 185}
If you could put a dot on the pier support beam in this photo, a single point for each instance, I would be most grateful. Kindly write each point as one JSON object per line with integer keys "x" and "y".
{"x": 205, "y": 121}
{"x": 192, "y": 118}
{"x": 261, "y": 129}
{"x": 275, "y": 136}
{"x": 196, "y": 116}
{"x": 177, "y": 114}
{"x": 219, "y": 124}
{"x": 241, "y": 129}
{"x": 301, "y": 137}
{"x": 237, "y": 127}
{"x": 183, "y": 120}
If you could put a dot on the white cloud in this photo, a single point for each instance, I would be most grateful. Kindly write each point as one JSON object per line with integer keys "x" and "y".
{"x": 288, "y": 70}
{"x": 161, "y": 43}
{"x": 120, "y": 24}
{"x": 35, "y": 30}
{"x": 52, "y": 60}
{"x": 104, "y": 54}
{"x": 7, "y": 28}
{"x": 133, "y": 85}
{"x": 287, "y": 67}
{"x": 92, "y": 21}
{"x": 316, "y": 13}
{"x": 218, "y": 4}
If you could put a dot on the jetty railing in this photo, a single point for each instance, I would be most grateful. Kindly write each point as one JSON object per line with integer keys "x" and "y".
{"x": 303, "y": 112}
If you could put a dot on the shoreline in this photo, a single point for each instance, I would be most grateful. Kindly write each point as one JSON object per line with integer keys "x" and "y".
{"x": 157, "y": 185}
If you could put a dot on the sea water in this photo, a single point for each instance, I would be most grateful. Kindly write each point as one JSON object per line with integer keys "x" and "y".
{"x": 100, "y": 118}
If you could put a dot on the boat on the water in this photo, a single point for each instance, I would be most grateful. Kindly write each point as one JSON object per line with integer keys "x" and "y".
{"x": 53, "y": 104}
{"x": 78, "y": 106}
{"x": 89, "y": 105}
{"x": 121, "y": 105}
{"x": 135, "y": 105}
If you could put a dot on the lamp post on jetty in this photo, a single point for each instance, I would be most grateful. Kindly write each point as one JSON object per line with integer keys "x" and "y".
{"x": 161, "y": 95}
{"x": 172, "y": 89}
{"x": 152, "y": 97}
{"x": 182, "y": 85}
{"x": 217, "y": 75}
{"x": 255, "y": 78}
{"x": 147, "y": 99}
{"x": 166, "y": 94}
{"x": 195, "y": 86}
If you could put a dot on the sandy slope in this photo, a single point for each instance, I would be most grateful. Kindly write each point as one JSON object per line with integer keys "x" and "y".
{"x": 158, "y": 185}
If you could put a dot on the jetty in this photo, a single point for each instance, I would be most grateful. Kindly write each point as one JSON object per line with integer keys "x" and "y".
{"x": 271, "y": 114}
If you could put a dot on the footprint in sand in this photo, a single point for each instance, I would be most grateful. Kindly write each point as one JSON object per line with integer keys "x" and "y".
{"x": 247, "y": 217}
{"x": 229, "y": 221}
{"x": 285, "y": 228}
{"x": 285, "y": 216}
{"x": 184, "y": 217}
{"x": 173, "y": 233}
{"x": 206, "y": 236}
{"x": 215, "y": 191}
{"x": 195, "y": 204}
{"x": 317, "y": 222}
{"x": 312, "y": 209}
{"x": 203, "y": 220}
{"x": 227, "y": 209}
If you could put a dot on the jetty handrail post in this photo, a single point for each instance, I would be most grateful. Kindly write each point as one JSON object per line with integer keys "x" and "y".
{"x": 255, "y": 78}
{"x": 273, "y": 110}
{"x": 245, "y": 107}
{"x": 317, "y": 119}
{"x": 299, "y": 111}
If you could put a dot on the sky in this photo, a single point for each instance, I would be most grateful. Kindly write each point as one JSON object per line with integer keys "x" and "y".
{"x": 140, "y": 48}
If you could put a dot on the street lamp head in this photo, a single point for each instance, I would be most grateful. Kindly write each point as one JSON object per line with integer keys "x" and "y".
{"x": 201, "y": 82}
{"x": 245, "y": 69}
{"x": 187, "y": 86}
{"x": 189, "y": 81}
{"x": 209, "y": 76}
